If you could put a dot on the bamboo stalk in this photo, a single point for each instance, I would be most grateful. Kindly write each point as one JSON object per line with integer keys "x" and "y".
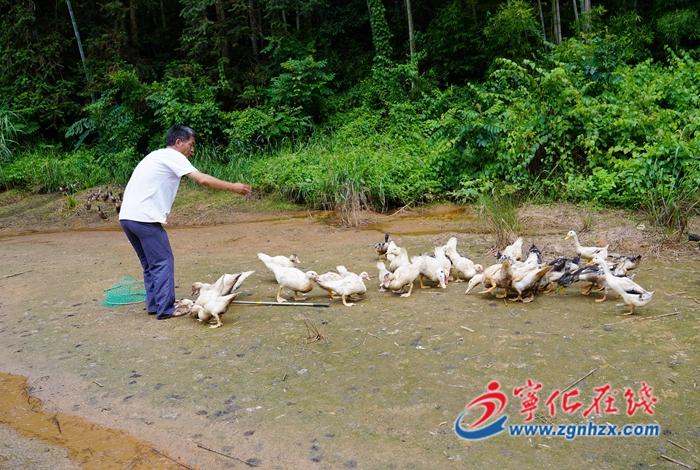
{"x": 80, "y": 43}
{"x": 677, "y": 462}
{"x": 580, "y": 380}
{"x": 282, "y": 304}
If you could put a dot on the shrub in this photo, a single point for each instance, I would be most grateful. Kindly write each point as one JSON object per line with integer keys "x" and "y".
{"x": 377, "y": 170}
{"x": 190, "y": 101}
{"x": 119, "y": 117}
{"x": 679, "y": 27}
{"x": 303, "y": 85}
{"x": 256, "y": 129}
{"x": 513, "y": 31}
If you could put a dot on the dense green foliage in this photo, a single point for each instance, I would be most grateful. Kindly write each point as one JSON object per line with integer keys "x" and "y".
{"x": 321, "y": 103}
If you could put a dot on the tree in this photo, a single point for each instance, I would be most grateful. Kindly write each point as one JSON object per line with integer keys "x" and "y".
{"x": 411, "y": 40}
{"x": 381, "y": 35}
{"x": 513, "y": 31}
{"x": 556, "y": 22}
{"x": 544, "y": 29}
{"x": 77, "y": 38}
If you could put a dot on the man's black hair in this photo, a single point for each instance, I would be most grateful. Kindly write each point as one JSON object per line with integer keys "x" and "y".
{"x": 179, "y": 131}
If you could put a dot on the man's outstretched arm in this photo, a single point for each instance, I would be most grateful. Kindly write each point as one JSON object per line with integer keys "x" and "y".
{"x": 209, "y": 181}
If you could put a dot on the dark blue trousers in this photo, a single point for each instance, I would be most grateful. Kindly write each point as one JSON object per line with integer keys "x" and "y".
{"x": 150, "y": 241}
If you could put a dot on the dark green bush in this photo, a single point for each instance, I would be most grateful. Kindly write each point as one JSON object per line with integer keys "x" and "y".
{"x": 183, "y": 99}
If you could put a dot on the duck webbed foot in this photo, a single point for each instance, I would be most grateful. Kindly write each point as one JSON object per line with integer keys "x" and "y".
{"x": 422, "y": 286}
{"x": 519, "y": 298}
{"x": 487, "y": 290}
{"x": 299, "y": 297}
{"x": 218, "y": 322}
{"x": 505, "y": 295}
{"x": 408, "y": 294}
{"x": 631, "y": 312}
{"x": 586, "y": 291}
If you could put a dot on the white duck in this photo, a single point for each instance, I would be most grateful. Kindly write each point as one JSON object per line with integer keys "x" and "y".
{"x": 382, "y": 273}
{"x": 330, "y": 276}
{"x": 210, "y": 305}
{"x": 349, "y": 284}
{"x": 226, "y": 284}
{"x": 514, "y": 251}
{"x": 588, "y": 252}
{"x": 402, "y": 277}
{"x": 213, "y": 308}
{"x": 293, "y": 279}
{"x": 443, "y": 259}
{"x": 496, "y": 275}
{"x": 396, "y": 256}
{"x": 527, "y": 280}
{"x": 286, "y": 261}
{"x": 632, "y": 293}
{"x": 464, "y": 268}
{"x": 430, "y": 268}
{"x": 288, "y": 277}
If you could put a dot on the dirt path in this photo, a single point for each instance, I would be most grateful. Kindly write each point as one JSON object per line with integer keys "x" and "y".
{"x": 384, "y": 390}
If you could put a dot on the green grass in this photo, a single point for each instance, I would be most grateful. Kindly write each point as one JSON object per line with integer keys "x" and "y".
{"x": 501, "y": 216}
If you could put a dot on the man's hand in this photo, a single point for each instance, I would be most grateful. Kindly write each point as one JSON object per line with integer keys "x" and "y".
{"x": 241, "y": 188}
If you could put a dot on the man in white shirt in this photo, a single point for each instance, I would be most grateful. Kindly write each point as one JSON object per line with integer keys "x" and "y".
{"x": 147, "y": 201}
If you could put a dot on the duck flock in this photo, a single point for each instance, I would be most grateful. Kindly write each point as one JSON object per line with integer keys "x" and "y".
{"x": 514, "y": 275}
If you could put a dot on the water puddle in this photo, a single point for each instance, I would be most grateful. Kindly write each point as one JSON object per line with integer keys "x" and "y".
{"x": 88, "y": 444}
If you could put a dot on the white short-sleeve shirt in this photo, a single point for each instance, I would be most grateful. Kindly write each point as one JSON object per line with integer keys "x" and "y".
{"x": 153, "y": 185}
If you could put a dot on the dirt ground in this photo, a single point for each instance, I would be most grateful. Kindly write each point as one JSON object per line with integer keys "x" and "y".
{"x": 385, "y": 387}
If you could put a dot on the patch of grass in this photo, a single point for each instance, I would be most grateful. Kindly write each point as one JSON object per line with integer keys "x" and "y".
{"x": 194, "y": 197}
{"x": 586, "y": 221}
{"x": 500, "y": 213}
{"x": 350, "y": 174}
{"x": 45, "y": 172}
{"x": 674, "y": 197}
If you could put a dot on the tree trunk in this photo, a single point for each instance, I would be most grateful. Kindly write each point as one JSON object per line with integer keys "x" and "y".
{"x": 297, "y": 20}
{"x": 575, "y": 9}
{"x": 133, "y": 6}
{"x": 253, "y": 20}
{"x": 544, "y": 31}
{"x": 221, "y": 23}
{"x": 556, "y": 21}
{"x": 162, "y": 14}
{"x": 284, "y": 21}
{"x": 380, "y": 29}
{"x": 260, "y": 33}
{"x": 411, "y": 40}
{"x": 80, "y": 43}
{"x": 586, "y": 10}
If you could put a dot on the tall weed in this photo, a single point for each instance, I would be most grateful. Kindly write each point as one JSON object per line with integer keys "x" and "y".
{"x": 501, "y": 215}
{"x": 8, "y": 130}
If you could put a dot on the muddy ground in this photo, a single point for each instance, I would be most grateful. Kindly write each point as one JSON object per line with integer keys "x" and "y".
{"x": 384, "y": 389}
